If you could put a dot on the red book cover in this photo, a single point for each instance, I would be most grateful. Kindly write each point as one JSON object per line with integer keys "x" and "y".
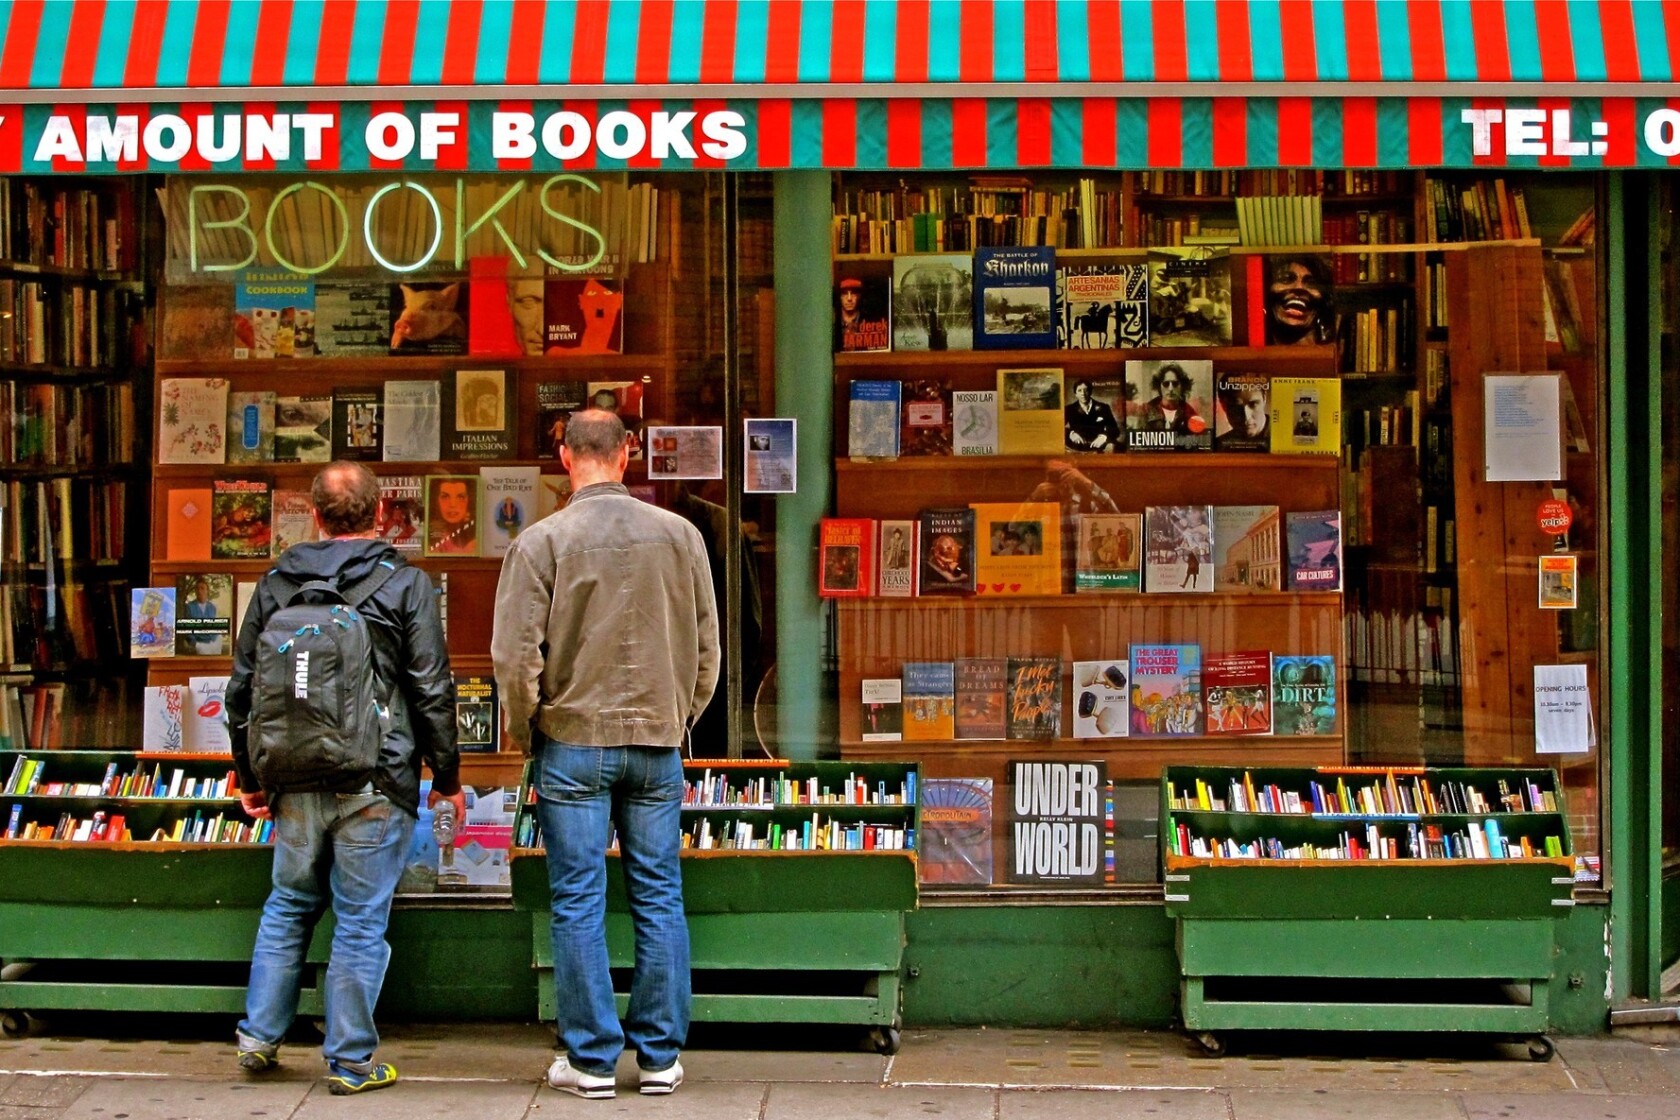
{"x": 1237, "y": 693}
{"x": 491, "y": 330}
{"x": 1256, "y": 265}
{"x": 846, "y": 567}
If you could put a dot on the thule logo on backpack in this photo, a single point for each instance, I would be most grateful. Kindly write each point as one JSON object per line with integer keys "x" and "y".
{"x": 300, "y": 675}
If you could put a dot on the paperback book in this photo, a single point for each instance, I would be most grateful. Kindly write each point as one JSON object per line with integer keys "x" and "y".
{"x": 303, "y": 429}
{"x": 477, "y": 719}
{"x": 192, "y": 420}
{"x": 266, "y": 316}
{"x": 1169, "y": 404}
{"x": 1243, "y": 418}
{"x": 402, "y": 512}
{"x": 250, "y": 427}
{"x": 846, "y": 560}
{"x": 1315, "y": 550}
{"x": 1030, "y": 412}
{"x": 204, "y": 615}
{"x": 945, "y": 545}
{"x": 974, "y": 422}
{"x": 862, "y": 313}
{"x": 1306, "y": 415}
{"x": 583, "y": 316}
{"x": 1018, "y": 548}
{"x": 882, "y": 716}
{"x": 1091, "y": 419}
{"x": 1015, "y": 297}
{"x": 187, "y": 534}
{"x": 933, "y": 302}
{"x": 1238, "y": 691}
{"x": 981, "y": 685}
{"x": 1103, "y": 306}
{"x": 204, "y": 726}
{"x": 151, "y": 630}
{"x": 510, "y": 505}
{"x": 355, "y": 428}
{"x": 1246, "y": 549}
{"x": 1109, "y": 557}
{"x": 452, "y": 510}
{"x": 1304, "y": 694}
{"x": 241, "y": 520}
{"x": 956, "y": 831}
{"x": 413, "y": 421}
{"x": 556, "y": 401}
{"x": 1058, "y": 821}
{"x": 352, "y": 319}
{"x": 1101, "y": 699}
{"x": 480, "y": 418}
{"x": 872, "y": 422}
{"x": 163, "y": 709}
{"x": 929, "y": 701}
{"x": 1166, "y": 690}
{"x": 896, "y": 570}
{"x": 294, "y": 519}
{"x": 1034, "y": 698}
{"x": 428, "y": 318}
{"x": 927, "y": 418}
{"x": 1178, "y": 554}
{"x": 1189, "y": 297}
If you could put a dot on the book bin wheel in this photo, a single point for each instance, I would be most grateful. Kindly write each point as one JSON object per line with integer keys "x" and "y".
{"x": 1212, "y": 1044}
{"x": 13, "y": 1024}
{"x": 1540, "y": 1049}
{"x": 885, "y": 1040}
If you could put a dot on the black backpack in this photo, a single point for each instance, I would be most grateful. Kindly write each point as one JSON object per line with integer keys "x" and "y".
{"x": 318, "y": 712}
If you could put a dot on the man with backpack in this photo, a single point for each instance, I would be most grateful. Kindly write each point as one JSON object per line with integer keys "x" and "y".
{"x": 341, "y": 687}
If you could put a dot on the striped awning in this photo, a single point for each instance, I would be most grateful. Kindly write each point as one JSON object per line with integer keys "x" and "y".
{"x": 830, "y": 83}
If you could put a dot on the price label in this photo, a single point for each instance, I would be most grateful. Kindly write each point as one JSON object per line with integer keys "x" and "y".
{"x": 1554, "y": 517}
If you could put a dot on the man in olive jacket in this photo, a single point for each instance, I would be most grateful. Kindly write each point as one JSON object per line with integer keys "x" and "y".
{"x": 606, "y": 652}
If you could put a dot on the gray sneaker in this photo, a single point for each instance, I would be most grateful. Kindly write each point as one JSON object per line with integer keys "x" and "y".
{"x": 659, "y": 1082}
{"x": 255, "y": 1056}
{"x": 567, "y": 1078}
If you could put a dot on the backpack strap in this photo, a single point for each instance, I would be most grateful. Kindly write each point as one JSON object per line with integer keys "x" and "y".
{"x": 288, "y": 590}
{"x": 364, "y": 589}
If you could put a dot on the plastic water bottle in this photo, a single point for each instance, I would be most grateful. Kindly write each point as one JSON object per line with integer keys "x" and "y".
{"x": 443, "y": 831}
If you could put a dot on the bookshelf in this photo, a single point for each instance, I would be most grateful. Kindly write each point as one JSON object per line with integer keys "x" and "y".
{"x": 812, "y": 933}
{"x": 1422, "y": 937}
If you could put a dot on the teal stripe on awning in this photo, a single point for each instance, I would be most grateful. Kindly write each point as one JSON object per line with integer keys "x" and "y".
{"x": 871, "y": 132}
{"x": 1265, "y": 34}
{"x": 1585, "y": 110}
{"x": 1067, "y": 133}
{"x": 1073, "y": 44}
{"x": 303, "y": 44}
{"x": 430, "y": 34}
{"x": 944, "y": 43}
{"x": 688, "y": 36}
{"x": 1522, "y": 39}
{"x": 1327, "y": 132}
{"x": 559, "y": 29}
{"x": 816, "y": 29}
{"x": 1001, "y": 150}
{"x": 1330, "y": 42}
{"x": 241, "y": 47}
{"x": 624, "y": 26}
{"x": 1137, "y": 40}
{"x": 1394, "y": 133}
{"x": 1647, "y": 106}
{"x": 1009, "y": 41}
{"x": 1201, "y": 25}
{"x": 1455, "y": 138}
{"x": 52, "y": 36}
{"x": 1586, "y": 38}
{"x": 806, "y": 126}
{"x": 494, "y": 29}
{"x": 176, "y": 53}
{"x": 1459, "y": 37}
{"x": 1131, "y": 127}
{"x": 880, "y": 41}
{"x": 936, "y": 134}
{"x": 1650, "y": 30}
{"x": 752, "y": 34}
{"x": 352, "y": 130}
{"x": 1196, "y": 132}
{"x": 114, "y": 36}
{"x": 1262, "y": 132}
{"x": 367, "y": 36}
{"x": 1394, "y": 36}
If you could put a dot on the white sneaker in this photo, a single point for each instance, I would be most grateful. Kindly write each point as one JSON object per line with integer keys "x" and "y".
{"x": 655, "y": 1083}
{"x": 567, "y": 1078}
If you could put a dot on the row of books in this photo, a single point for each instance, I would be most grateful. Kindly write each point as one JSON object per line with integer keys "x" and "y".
{"x": 1272, "y": 181}
{"x": 47, "y": 625}
{"x": 1475, "y": 210}
{"x": 65, "y": 323}
{"x": 42, "y": 424}
{"x": 49, "y": 715}
{"x": 100, "y": 826}
{"x": 1476, "y": 840}
{"x": 1379, "y": 340}
{"x": 814, "y": 835}
{"x": 62, "y": 519}
{"x": 28, "y": 778}
{"x": 719, "y": 791}
{"x": 1403, "y": 647}
{"x": 1157, "y": 405}
{"x": 1390, "y": 795}
{"x": 65, "y": 227}
{"x": 1158, "y": 691}
{"x": 1015, "y": 548}
{"x": 937, "y": 219}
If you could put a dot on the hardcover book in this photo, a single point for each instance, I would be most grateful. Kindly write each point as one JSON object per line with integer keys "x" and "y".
{"x": 872, "y": 422}
{"x": 974, "y": 422}
{"x": 1315, "y": 550}
{"x": 1110, "y": 556}
{"x": 241, "y": 520}
{"x": 294, "y": 519}
{"x": 896, "y": 571}
{"x": 956, "y": 832}
{"x": 1058, "y": 821}
{"x": 1242, "y": 418}
{"x": 402, "y": 512}
{"x": 1101, "y": 699}
{"x": 1034, "y": 698}
{"x": 1018, "y": 548}
{"x": 1247, "y": 553}
{"x": 1091, "y": 418}
{"x": 1169, "y": 404}
{"x": 981, "y": 685}
{"x": 1237, "y": 688}
{"x": 187, "y": 536}
{"x": 583, "y": 316}
{"x": 1304, "y": 694}
{"x": 1189, "y": 297}
{"x": 429, "y": 317}
{"x": 303, "y": 429}
{"x": 933, "y": 302}
{"x": 250, "y": 427}
{"x": 862, "y": 313}
{"x": 478, "y": 722}
{"x": 927, "y": 418}
{"x": 510, "y": 505}
{"x": 413, "y": 421}
{"x": 352, "y": 319}
{"x": 846, "y": 563}
{"x": 1307, "y": 415}
{"x": 882, "y": 717}
{"x": 479, "y": 415}
{"x": 1030, "y": 411}
{"x": 1178, "y": 549}
{"x": 192, "y": 420}
{"x": 355, "y": 429}
{"x": 151, "y": 629}
{"x": 266, "y": 316}
{"x": 929, "y": 701}
{"x": 204, "y": 615}
{"x": 1103, "y": 306}
{"x": 163, "y": 709}
{"x": 945, "y": 549}
{"x": 1015, "y": 297}
{"x": 204, "y": 728}
{"x": 556, "y": 401}
{"x": 1166, "y": 690}
{"x": 452, "y": 525}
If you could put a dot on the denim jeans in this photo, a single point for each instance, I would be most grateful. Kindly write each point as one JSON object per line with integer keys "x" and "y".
{"x": 346, "y": 848}
{"x": 581, "y": 793}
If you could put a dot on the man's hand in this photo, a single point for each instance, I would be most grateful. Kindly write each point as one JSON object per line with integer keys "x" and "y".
{"x": 458, "y": 798}
{"x": 255, "y": 805}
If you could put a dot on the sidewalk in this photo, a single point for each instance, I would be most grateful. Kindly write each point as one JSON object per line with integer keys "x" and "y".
{"x": 490, "y": 1072}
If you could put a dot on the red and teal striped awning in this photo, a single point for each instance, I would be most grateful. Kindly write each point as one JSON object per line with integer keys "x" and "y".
{"x": 868, "y": 83}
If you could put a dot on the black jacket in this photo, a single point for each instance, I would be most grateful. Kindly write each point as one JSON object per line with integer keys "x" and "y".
{"x": 410, "y": 653}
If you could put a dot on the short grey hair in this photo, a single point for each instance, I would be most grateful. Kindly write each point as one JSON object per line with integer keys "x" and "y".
{"x": 595, "y": 434}
{"x": 346, "y": 496}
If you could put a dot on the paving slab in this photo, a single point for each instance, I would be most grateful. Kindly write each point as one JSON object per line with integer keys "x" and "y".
{"x": 1113, "y": 1104}
{"x": 693, "y": 1101}
{"x": 160, "y": 1098}
{"x": 423, "y": 1100}
{"x": 42, "y": 1092}
{"x": 1621, "y": 1065}
{"x": 1567, "y": 1106}
{"x": 1323, "y": 1104}
{"x": 879, "y": 1102}
{"x": 777, "y": 1065}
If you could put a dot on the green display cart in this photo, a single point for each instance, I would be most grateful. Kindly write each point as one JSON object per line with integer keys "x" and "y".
{"x": 814, "y": 935}
{"x": 1415, "y": 934}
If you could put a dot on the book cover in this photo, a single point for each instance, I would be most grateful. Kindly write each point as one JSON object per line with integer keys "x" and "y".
{"x": 355, "y": 426}
{"x": 294, "y": 519}
{"x": 1018, "y": 547}
{"x": 929, "y": 701}
{"x": 553, "y": 492}
{"x": 1166, "y": 690}
{"x": 1058, "y": 821}
{"x": 583, "y": 315}
{"x": 556, "y": 401}
{"x": 1178, "y": 549}
{"x": 352, "y": 319}
{"x": 244, "y": 594}
{"x": 933, "y": 302}
{"x": 945, "y": 552}
{"x": 413, "y": 421}
{"x": 872, "y": 420}
{"x": 452, "y": 527}
{"x": 1298, "y": 304}
{"x": 1243, "y": 416}
{"x": 480, "y": 415}
{"x": 510, "y": 505}
{"x": 204, "y": 728}
{"x": 1304, "y": 694}
{"x": 974, "y": 422}
{"x": 1237, "y": 692}
{"x": 1306, "y": 415}
{"x": 1314, "y": 541}
{"x": 163, "y": 709}
{"x": 303, "y": 429}
{"x": 1091, "y": 418}
{"x": 882, "y": 716}
{"x": 1110, "y": 556}
{"x": 956, "y": 831}
{"x": 192, "y": 420}
{"x": 846, "y": 561}
{"x": 623, "y": 398}
{"x": 1029, "y": 411}
{"x": 1189, "y": 297}
{"x": 204, "y": 615}
{"x": 1103, "y": 306}
{"x": 428, "y": 317}
{"x": 1247, "y": 549}
{"x": 241, "y": 520}
{"x": 981, "y": 685}
{"x": 1015, "y": 297}
{"x": 266, "y": 312}
{"x": 862, "y": 313}
{"x": 187, "y": 535}
{"x": 402, "y": 512}
{"x": 1101, "y": 699}
{"x": 250, "y": 427}
{"x": 1169, "y": 405}
{"x": 927, "y": 418}
{"x": 151, "y": 627}
{"x": 477, "y": 720}
{"x": 896, "y": 567}
{"x": 504, "y": 313}
{"x": 1033, "y": 698}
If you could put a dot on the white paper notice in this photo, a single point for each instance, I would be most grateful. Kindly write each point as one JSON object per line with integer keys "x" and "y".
{"x": 1563, "y": 722}
{"x": 1523, "y": 426}
{"x": 685, "y": 453}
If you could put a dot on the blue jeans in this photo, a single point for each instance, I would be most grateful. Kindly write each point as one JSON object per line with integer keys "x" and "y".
{"x": 581, "y": 793}
{"x": 346, "y": 848}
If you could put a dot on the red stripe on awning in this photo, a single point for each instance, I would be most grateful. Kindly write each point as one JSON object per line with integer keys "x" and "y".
{"x": 1671, "y": 29}
{"x": 525, "y": 38}
{"x": 268, "y": 54}
{"x": 22, "y": 33}
{"x": 904, "y": 134}
{"x": 781, "y": 43}
{"x": 590, "y": 111}
{"x": 458, "y": 155}
{"x": 701, "y": 159}
{"x": 1166, "y": 132}
{"x": 11, "y": 142}
{"x": 460, "y": 45}
{"x": 910, "y": 54}
{"x": 1300, "y": 49}
{"x": 145, "y": 45}
{"x": 1622, "y": 115}
{"x": 645, "y": 111}
{"x": 1040, "y": 62}
{"x": 1557, "y": 52}
{"x": 77, "y": 116}
{"x": 1294, "y": 131}
{"x": 1359, "y": 132}
{"x": 522, "y": 163}
{"x": 968, "y": 132}
{"x": 1621, "y": 44}
{"x": 839, "y": 139}
{"x": 1102, "y": 42}
{"x": 81, "y": 46}
{"x": 1429, "y": 49}
{"x": 396, "y": 50}
{"x": 717, "y": 43}
{"x": 1364, "y": 50}
{"x": 1032, "y": 131}
{"x": 653, "y": 42}
{"x": 262, "y": 163}
{"x": 775, "y": 133}
{"x": 332, "y": 49}
{"x": 1493, "y": 55}
{"x": 1172, "y": 55}
{"x": 1236, "y": 60}
{"x": 975, "y": 53}
{"x": 589, "y": 42}
{"x": 374, "y": 110}
{"x": 1497, "y": 132}
{"x": 209, "y": 41}
{"x": 1674, "y": 103}
{"x": 1098, "y": 128}
{"x": 1230, "y": 132}
{"x": 845, "y": 46}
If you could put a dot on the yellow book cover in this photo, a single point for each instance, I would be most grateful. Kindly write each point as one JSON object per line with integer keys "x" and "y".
{"x": 1030, "y": 417}
{"x": 1017, "y": 548}
{"x": 1306, "y": 416}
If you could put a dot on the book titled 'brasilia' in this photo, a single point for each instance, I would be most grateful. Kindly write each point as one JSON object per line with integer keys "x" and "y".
{"x": 1015, "y": 298}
